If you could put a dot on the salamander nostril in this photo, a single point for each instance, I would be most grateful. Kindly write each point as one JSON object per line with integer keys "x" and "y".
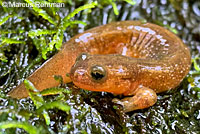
{"x": 82, "y": 57}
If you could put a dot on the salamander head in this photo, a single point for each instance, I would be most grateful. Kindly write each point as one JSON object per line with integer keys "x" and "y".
{"x": 101, "y": 73}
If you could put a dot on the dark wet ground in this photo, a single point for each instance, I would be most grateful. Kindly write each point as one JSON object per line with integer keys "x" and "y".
{"x": 177, "y": 111}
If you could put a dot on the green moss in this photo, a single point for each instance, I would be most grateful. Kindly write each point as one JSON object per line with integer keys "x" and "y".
{"x": 4, "y": 19}
{"x": 14, "y": 124}
{"x": 40, "y": 11}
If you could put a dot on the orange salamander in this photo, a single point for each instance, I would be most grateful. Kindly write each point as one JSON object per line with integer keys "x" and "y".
{"x": 128, "y": 57}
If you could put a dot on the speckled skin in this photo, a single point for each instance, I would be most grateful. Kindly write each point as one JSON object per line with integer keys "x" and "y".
{"x": 139, "y": 59}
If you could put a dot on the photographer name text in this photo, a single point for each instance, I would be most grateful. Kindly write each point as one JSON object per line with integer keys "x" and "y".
{"x": 36, "y": 4}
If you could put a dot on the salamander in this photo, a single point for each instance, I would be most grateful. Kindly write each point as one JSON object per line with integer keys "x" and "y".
{"x": 131, "y": 58}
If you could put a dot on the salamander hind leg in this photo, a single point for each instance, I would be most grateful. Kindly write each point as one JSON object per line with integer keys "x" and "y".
{"x": 143, "y": 98}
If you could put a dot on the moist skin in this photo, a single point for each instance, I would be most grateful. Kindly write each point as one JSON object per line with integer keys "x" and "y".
{"x": 134, "y": 59}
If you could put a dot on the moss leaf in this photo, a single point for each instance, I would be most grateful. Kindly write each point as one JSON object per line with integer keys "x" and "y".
{"x": 4, "y": 19}
{"x": 76, "y": 11}
{"x": 24, "y": 125}
{"x": 46, "y": 117}
{"x": 39, "y": 32}
{"x": 41, "y": 12}
{"x": 55, "y": 90}
{"x": 115, "y": 8}
{"x": 55, "y": 104}
{"x": 34, "y": 94}
{"x": 10, "y": 41}
{"x": 132, "y": 2}
{"x": 196, "y": 66}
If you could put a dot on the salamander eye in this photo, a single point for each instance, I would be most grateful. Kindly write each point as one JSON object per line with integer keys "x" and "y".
{"x": 98, "y": 73}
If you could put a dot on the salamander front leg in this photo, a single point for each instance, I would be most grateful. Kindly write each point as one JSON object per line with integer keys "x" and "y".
{"x": 143, "y": 98}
